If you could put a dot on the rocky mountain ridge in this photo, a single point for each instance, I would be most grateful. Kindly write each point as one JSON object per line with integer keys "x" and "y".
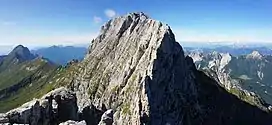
{"x": 255, "y": 55}
{"x": 20, "y": 72}
{"x": 18, "y": 55}
{"x": 136, "y": 73}
{"x": 262, "y": 48}
{"x": 248, "y": 73}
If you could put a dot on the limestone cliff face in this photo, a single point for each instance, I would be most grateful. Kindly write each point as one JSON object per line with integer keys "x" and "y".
{"x": 136, "y": 67}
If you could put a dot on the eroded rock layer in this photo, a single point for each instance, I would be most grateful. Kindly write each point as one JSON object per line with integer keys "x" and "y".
{"x": 136, "y": 67}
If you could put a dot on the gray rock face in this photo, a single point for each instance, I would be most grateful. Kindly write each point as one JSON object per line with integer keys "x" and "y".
{"x": 3, "y": 118}
{"x": 217, "y": 63}
{"x": 107, "y": 118}
{"x": 44, "y": 111}
{"x": 255, "y": 55}
{"x": 64, "y": 103}
{"x": 136, "y": 67}
{"x": 29, "y": 113}
{"x": 70, "y": 122}
{"x": 216, "y": 66}
{"x": 91, "y": 115}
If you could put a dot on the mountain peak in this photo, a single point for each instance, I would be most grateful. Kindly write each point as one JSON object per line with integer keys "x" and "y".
{"x": 138, "y": 15}
{"x": 21, "y": 53}
{"x": 19, "y": 47}
{"x": 130, "y": 26}
{"x": 136, "y": 67}
{"x": 255, "y": 55}
{"x": 134, "y": 55}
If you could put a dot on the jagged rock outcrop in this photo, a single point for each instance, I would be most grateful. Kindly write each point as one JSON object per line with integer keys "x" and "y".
{"x": 29, "y": 113}
{"x": 3, "y": 118}
{"x": 91, "y": 114}
{"x": 56, "y": 106}
{"x": 65, "y": 103}
{"x": 70, "y": 122}
{"x": 107, "y": 118}
{"x": 136, "y": 67}
{"x": 243, "y": 76}
{"x": 254, "y": 55}
{"x": 217, "y": 66}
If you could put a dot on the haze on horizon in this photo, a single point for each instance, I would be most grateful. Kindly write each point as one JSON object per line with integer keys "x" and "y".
{"x": 36, "y": 23}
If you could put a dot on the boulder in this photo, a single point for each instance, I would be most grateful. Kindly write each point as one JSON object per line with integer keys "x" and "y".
{"x": 70, "y": 122}
{"x": 57, "y": 106}
{"x": 3, "y": 118}
{"x": 107, "y": 118}
{"x": 28, "y": 113}
{"x": 91, "y": 115}
{"x": 63, "y": 103}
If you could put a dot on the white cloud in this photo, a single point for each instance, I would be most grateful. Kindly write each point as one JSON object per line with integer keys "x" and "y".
{"x": 97, "y": 19}
{"x": 110, "y": 13}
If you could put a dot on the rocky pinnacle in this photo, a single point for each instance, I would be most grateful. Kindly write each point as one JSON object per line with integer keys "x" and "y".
{"x": 136, "y": 67}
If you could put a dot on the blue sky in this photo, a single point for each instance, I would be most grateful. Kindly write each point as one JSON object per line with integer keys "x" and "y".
{"x": 37, "y": 23}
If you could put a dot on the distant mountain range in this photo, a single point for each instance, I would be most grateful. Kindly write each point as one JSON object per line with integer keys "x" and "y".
{"x": 251, "y": 72}
{"x": 212, "y": 45}
{"x": 61, "y": 54}
{"x": 247, "y": 65}
{"x": 22, "y": 77}
{"x": 235, "y": 51}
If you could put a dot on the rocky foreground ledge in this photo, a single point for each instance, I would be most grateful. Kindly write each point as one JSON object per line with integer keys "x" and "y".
{"x": 135, "y": 73}
{"x": 58, "y": 106}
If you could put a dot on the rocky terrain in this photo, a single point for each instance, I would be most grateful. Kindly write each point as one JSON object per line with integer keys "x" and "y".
{"x": 136, "y": 73}
{"x": 249, "y": 72}
{"x": 22, "y": 75}
{"x": 232, "y": 48}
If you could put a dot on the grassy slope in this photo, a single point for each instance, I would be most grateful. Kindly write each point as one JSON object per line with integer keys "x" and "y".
{"x": 46, "y": 78}
{"x": 18, "y": 75}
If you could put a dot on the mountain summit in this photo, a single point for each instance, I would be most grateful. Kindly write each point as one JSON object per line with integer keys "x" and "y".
{"x": 255, "y": 55}
{"x": 18, "y": 55}
{"x": 136, "y": 73}
{"x": 21, "y": 53}
{"x": 136, "y": 67}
